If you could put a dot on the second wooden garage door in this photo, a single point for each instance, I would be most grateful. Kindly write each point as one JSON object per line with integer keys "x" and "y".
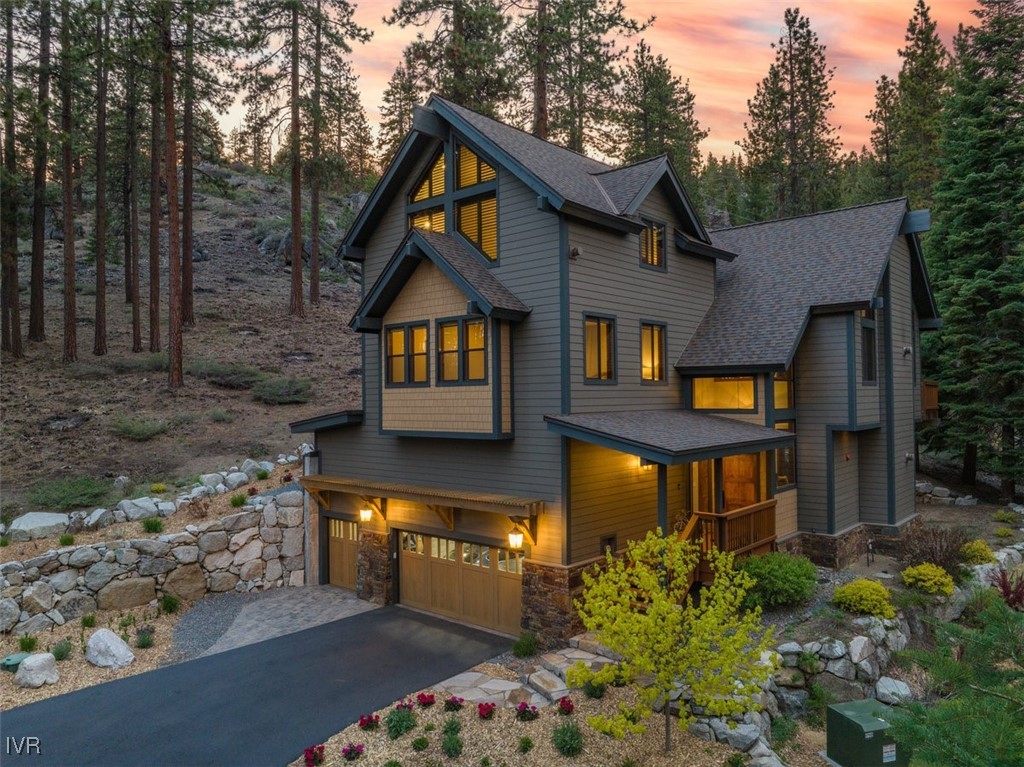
{"x": 469, "y": 581}
{"x": 343, "y": 552}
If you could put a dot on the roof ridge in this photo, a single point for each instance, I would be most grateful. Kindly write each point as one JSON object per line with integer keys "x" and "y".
{"x": 617, "y": 168}
{"x": 808, "y": 215}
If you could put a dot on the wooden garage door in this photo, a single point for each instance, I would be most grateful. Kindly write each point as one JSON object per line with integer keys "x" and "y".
{"x": 342, "y": 552}
{"x": 470, "y": 581}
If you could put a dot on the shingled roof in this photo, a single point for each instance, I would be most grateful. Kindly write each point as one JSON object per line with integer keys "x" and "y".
{"x": 783, "y": 271}
{"x": 460, "y": 266}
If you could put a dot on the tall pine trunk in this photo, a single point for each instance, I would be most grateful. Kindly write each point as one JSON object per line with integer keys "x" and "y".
{"x": 36, "y": 329}
{"x": 99, "y": 346}
{"x": 295, "y": 305}
{"x": 10, "y": 313}
{"x": 154, "y": 214}
{"x": 174, "y": 376}
{"x": 314, "y": 192}
{"x": 132, "y": 252}
{"x": 70, "y": 329}
{"x": 188, "y": 316}
{"x": 540, "y": 74}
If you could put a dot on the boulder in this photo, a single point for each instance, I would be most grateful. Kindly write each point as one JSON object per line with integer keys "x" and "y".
{"x": 270, "y": 534}
{"x": 56, "y": 617}
{"x": 76, "y": 604}
{"x": 790, "y": 677}
{"x": 896, "y": 640}
{"x": 290, "y": 516}
{"x": 238, "y": 540}
{"x": 267, "y": 465}
{"x": 832, "y": 648}
{"x": 235, "y": 480}
{"x": 251, "y": 570}
{"x": 842, "y": 668}
{"x": 842, "y": 690}
{"x": 130, "y": 592}
{"x": 98, "y": 519}
{"x": 233, "y": 523}
{"x": 251, "y": 468}
{"x": 138, "y": 508}
{"x": 860, "y": 647}
{"x": 222, "y": 582}
{"x": 38, "y": 598}
{"x": 150, "y": 548}
{"x": 924, "y": 488}
{"x": 107, "y": 650}
{"x": 43, "y": 562}
{"x": 186, "y": 554}
{"x": 270, "y": 515}
{"x": 218, "y": 560}
{"x": 37, "y": 670}
{"x": 166, "y": 508}
{"x": 872, "y": 627}
{"x": 10, "y": 613}
{"x": 551, "y": 686}
{"x": 297, "y": 578}
{"x": 211, "y": 542}
{"x": 34, "y": 624}
{"x": 37, "y": 524}
{"x": 940, "y": 492}
{"x": 187, "y": 582}
{"x": 741, "y": 737}
{"x": 292, "y": 545}
{"x": 868, "y": 671}
{"x": 176, "y": 539}
{"x": 211, "y": 480}
{"x": 122, "y": 482}
{"x": 968, "y": 500}
{"x": 893, "y": 691}
{"x": 271, "y": 552}
{"x": 84, "y": 557}
{"x": 126, "y": 556}
{"x": 101, "y": 573}
{"x": 156, "y": 565}
{"x": 250, "y": 551}
{"x": 289, "y": 499}
{"x": 64, "y": 581}
{"x": 273, "y": 571}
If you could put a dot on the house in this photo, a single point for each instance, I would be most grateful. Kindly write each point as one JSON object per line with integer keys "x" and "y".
{"x": 557, "y": 357}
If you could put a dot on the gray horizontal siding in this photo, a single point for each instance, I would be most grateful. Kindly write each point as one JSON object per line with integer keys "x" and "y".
{"x": 847, "y": 479}
{"x": 906, "y": 397}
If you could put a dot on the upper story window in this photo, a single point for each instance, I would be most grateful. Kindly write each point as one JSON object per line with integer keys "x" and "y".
{"x": 471, "y": 169}
{"x": 599, "y": 349}
{"x": 478, "y": 223}
{"x": 785, "y": 458}
{"x": 405, "y": 358}
{"x": 868, "y": 347}
{"x": 652, "y": 352}
{"x": 724, "y": 393}
{"x": 652, "y": 245}
{"x": 432, "y": 219}
{"x": 432, "y": 184}
{"x": 462, "y": 351}
{"x": 785, "y": 391}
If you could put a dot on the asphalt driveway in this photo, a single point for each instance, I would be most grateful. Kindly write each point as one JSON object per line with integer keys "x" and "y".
{"x": 256, "y": 705}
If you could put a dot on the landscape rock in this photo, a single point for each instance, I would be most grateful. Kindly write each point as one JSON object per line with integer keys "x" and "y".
{"x": 289, "y": 516}
{"x": 893, "y": 691}
{"x": 33, "y": 625}
{"x": 233, "y": 523}
{"x": 156, "y": 565}
{"x": 250, "y": 551}
{"x": 867, "y": 670}
{"x": 235, "y": 479}
{"x": 251, "y": 468}
{"x": 37, "y": 670}
{"x": 56, "y": 617}
{"x": 186, "y": 554}
{"x": 270, "y": 534}
{"x": 238, "y": 540}
{"x": 138, "y": 508}
{"x": 251, "y": 570}
{"x": 218, "y": 560}
{"x": 290, "y": 499}
{"x": 211, "y": 480}
{"x": 166, "y": 508}
{"x": 10, "y": 613}
{"x": 872, "y": 627}
{"x": 222, "y": 582}
{"x": 211, "y": 542}
{"x": 101, "y": 573}
{"x": 860, "y": 647}
{"x": 37, "y": 598}
{"x": 107, "y": 650}
{"x": 64, "y": 581}
{"x": 151, "y": 548}
{"x": 968, "y": 500}
{"x": 131, "y": 592}
{"x": 297, "y": 578}
{"x": 547, "y": 684}
{"x": 122, "y": 482}
{"x": 37, "y": 524}
{"x": 187, "y": 582}
{"x": 842, "y": 690}
{"x": 292, "y": 543}
{"x": 98, "y": 519}
{"x": 273, "y": 571}
{"x": 126, "y": 556}
{"x": 924, "y": 488}
{"x": 940, "y": 492}
{"x": 832, "y": 648}
{"x": 76, "y": 604}
{"x": 790, "y": 677}
{"x": 842, "y": 668}
{"x": 741, "y": 737}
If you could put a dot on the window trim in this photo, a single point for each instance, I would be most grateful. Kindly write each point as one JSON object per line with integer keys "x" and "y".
{"x": 418, "y": 209}
{"x": 461, "y": 321}
{"x": 663, "y": 352}
{"x": 662, "y": 264}
{"x": 426, "y": 175}
{"x": 612, "y": 320}
{"x": 407, "y": 356}
{"x": 469, "y": 200}
{"x": 868, "y": 323}
{"x": 456, "y": 188}
{"x": 693, "y": 399}
{"x": 775, "y": 457}
{"x": 787, "y": 408}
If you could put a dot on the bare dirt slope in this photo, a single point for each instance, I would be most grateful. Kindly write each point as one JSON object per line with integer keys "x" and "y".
{"x": 60, "y": 421}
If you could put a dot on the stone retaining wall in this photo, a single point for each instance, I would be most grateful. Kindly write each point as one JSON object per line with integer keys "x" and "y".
{"x": 260, "y": 547}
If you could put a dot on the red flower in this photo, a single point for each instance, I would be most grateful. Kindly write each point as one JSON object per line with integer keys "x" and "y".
{"x": 369, "y": 722}
{"x": 453, "y": 704}
{"x": 485, "y": 710}
{"x": 565, "y": 705}
{"x": 352, "y": 751}
{"x": 425, "y": 699}
{"x": 253, "y": 491}
{"x": 314, "y": 755}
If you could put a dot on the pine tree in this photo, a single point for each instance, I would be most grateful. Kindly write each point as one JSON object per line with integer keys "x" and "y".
{"x": 922, "y": 86}
{"x": 10, "y": 312}
{"x": 977, "y": 246}
{"x": 41, "y": 142}
{"x": 174, "y": 343}
{"x": 884, "y": 139}
{"x": 102, "y": 22}
{"x": 790, "y": 145}
{"x": 402, "y": 94}
{"x": 67, "y": 178}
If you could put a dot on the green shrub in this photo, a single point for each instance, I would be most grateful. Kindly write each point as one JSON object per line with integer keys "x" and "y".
{"x": 398, "y": 722}
{"x": 169, "y": 603}
{"x": 929, "y": 578}
{"x": 420, "y": 744}
{"x": 238, "y": 500}
{"x": 220, "y": 416}
{"x": 153, "y": 525}
{"x": 940, "y": 546}
{"x": 62, "y": 649}
{"x": 810, "y": 663}
{"x": 452, "y": 726}
{"x": 525, "y": 744}
{"x": 227, "y": 375}
{"x": 594, "y": 689}
{"x": 4, "y": 541}
{"x": 27, "y": 643}
{"x": 977, "y": 552}
{"x": 88, "y": 621}
{"x": 262, "y": 474}
{"x": 1003, "y": 532}
{"x": 452, "y": 746}
{"x": 67, "y": 539}
{"x": 67, "y": 494}
{"x": 865, "y": 596}
{"x": 144, "y": 637}
{"x": 158, "y": 488}
{"x": 139, "y": 429}
{"x": 817, "y": 704}
{"x": 143, "y": 363}
{"x": 783, "y": 731}
{"x": 568, "y": 739}
{"x": 392, "y": 763}
{"x": 85, "y": 371}
{"x": 1006, "y": 517}
{"x": 429, "y": 727}
{"x": 485, "y": 761}
{"x": 736, "y": 760}
{"x": 283, "y": 391}
{"x": 526, "y": 645}
{"x": 782, "y": 579}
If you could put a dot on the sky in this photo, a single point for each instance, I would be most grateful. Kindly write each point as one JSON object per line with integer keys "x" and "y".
{"x": 723, "y": 48}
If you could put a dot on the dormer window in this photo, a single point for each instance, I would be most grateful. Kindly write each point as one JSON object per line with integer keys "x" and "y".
{"x": 432, "y": 183}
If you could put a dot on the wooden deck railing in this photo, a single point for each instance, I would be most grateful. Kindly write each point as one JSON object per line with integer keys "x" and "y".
{"x": 745, "y": 532}
{"x": 929, "y": 400}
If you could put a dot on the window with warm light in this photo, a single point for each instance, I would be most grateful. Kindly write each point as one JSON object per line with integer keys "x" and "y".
{"x": 432, "y": 219}
{"x": 785, "y": 458}
{"x": 432, "y": 183}
{"x": 652, "y": 352}
{"x": 470, "y": 169}
{"x": 868, "y": 347}
{"x": 599, "y": 349}
{"x": 478, "y": 223}
{"x": 724, "y": 393}
{"x": 462, "y": 351}
{"x": 652, "y": 245}
{"x": 405, "y": 355}
{"x": 785, "y": 391}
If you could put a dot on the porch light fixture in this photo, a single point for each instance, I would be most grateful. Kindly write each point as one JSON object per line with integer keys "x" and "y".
{"x": 523, "y": 529}
{"x": 645, "y": 464}
{"x": 365, "y": 515}
{"x": 515, "y": 538}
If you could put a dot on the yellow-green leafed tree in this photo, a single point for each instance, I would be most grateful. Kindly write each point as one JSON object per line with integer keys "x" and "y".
{"x": 639, "y": 607}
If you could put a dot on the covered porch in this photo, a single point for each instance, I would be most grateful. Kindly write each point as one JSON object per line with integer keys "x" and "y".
{"x": 706, "y": 477}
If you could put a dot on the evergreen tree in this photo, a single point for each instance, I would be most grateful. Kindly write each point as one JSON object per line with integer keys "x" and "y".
{"x": 402, "y": 94}
{"x": 10, "y": 312}
{"x": 884, "y": 138}
{"x": 790, "y": 145}
{"x": 977, "y": 246}
{"x": 40, "y": 154}
{"x": 922, "y": 86}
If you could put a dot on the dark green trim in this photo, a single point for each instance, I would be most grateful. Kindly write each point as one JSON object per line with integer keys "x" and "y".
{"x": 427, "y": 122}
{"x": 663, "y": 498}
{"x": 495, "y": 377}
{"x": 754, "y": 377}
{"x": 924, "y": 324}
{"x": 563, "y": 314}
{"x": 603, "y": 220}
{"x": 566, "y": 456}
{"x": 704, "y": 371}
{"x": 691, "y": 247}
{"x": 916, "y": 221}
{"x": 664, "y": 353}
{"x": 851, "y": 370}
{"x": 890, "y": 415}
{"x": 460, "y": 321}
{"x": 481, "y": 435}
{"x": 328, "y": 421}
{"x": 407, "y": 356}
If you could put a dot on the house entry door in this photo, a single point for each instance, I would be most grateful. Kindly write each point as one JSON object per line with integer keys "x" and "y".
{"x": 342, "y": 552}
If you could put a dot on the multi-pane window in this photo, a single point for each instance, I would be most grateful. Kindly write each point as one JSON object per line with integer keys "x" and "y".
{"x": 406, "y": 355}
{"x": 412, "y": 543}
{"x": 868, "y": 346}
{"x": 599, "y": 349}
{"x": 462, "y": 351}
{"x": 431, "y": 219}
{"x": 724, "y": 393}
{"x": 652, "y": 352}
{"x": 476, "y": 555}
{"x": 652, "y": 244}
{"x": 785, "y": 458}
{"x": 510, "y": 561}
{"x": 432, "y": 183}
{"x": 785, "y": 392}
{"x": 471, "y": 169}
{"x": 442, "y": 548}
{"x": 478, "y": 223}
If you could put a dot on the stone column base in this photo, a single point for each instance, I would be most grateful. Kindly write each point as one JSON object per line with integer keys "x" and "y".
{"x": 548, "y": 595}
{"x": 374, "y": 573}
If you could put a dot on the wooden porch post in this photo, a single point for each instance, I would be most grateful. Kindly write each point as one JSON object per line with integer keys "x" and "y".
{"x": 663, "y": 498}
{"x": 719, "y": 502}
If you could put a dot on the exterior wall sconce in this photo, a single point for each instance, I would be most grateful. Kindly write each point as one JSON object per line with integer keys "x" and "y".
{"x": 645, "y": 464}
{"x": 365, "y": 515}
{"x": 523, "y": 528}
{"x": 369, "y": 506}
{"x": 515, "y": 538}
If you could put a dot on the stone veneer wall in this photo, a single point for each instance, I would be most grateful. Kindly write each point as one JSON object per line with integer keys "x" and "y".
{"x": 836, "y": 551}
{"x": 261, "y": 547}
{"x": 548, "y": 595}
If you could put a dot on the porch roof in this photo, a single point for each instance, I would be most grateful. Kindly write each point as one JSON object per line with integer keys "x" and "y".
{"x": 669, "y": 436}
{"x": 429, "y": 496}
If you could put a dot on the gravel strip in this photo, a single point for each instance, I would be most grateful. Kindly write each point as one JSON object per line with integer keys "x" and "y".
{"x": 201, "y": 627}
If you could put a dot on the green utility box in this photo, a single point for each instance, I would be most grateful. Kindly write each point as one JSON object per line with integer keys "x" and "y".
{"x": 857, "y": 736}
{"x": 11, "y": 662}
